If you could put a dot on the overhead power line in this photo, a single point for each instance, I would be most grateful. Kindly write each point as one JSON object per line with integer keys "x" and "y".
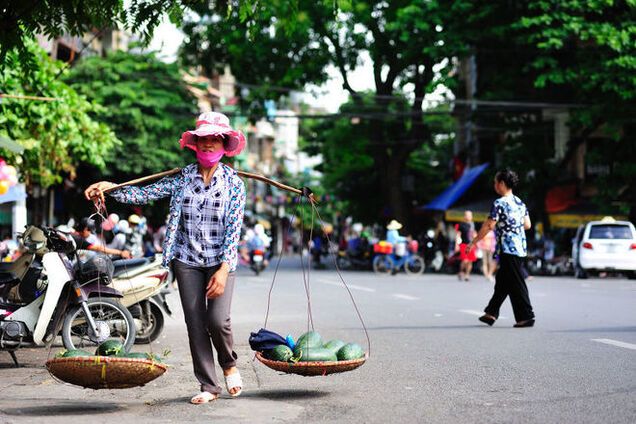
{"x": 470, "y": 102}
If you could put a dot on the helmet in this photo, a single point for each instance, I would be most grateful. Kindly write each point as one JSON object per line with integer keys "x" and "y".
{"x": 123, "y": 227}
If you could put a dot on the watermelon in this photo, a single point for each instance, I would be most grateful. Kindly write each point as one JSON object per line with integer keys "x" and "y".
{"x": 75, "y": 352}
{"x": 334, "y": 345}
{"x": 143, "y": 355}
{"x": 314, "y": 354}
{"x": 309, "y": 339}
{"x": 110, "y": 348}
{"x": 350, "y": 351}
{"x": 280, "y": 353}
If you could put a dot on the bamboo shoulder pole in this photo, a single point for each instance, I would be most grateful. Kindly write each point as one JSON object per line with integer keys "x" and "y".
{"x": 241, "y": 173}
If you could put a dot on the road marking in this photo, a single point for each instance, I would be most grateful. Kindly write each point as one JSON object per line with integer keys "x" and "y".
{"x": 351, "y": 286}
{"x": 405, "y": 296}
{"x": 616, "y": 343}
{"x": 477, "y": 313}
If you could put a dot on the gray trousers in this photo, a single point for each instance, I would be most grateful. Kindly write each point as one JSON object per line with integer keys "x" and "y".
{"x": 207, "y": 320}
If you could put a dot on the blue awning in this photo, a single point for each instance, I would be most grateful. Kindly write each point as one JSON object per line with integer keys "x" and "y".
{"x": 14, "y": 194}
{"x": 455, "y": 191}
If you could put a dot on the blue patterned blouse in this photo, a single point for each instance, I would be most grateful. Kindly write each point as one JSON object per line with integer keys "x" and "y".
{"x": 509, "y": 212}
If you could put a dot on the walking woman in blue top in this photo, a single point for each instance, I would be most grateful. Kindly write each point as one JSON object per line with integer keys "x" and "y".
{"x": 509, "y": 218}
{"x": 207, "y": 200}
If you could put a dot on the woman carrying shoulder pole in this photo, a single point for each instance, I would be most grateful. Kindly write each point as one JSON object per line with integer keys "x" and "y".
{"x": 207, "y": 201}
{"x": 509, "y": 218}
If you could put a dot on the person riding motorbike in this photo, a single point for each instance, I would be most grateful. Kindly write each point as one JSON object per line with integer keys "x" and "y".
{"x": 259, "y": 241}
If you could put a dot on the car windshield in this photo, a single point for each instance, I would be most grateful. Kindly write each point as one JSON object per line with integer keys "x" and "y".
{"x": 610, "y": 232}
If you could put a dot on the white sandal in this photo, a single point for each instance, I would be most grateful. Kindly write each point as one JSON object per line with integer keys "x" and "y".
{"x": 233, "y": 381}
{"x": 205, "y": 397}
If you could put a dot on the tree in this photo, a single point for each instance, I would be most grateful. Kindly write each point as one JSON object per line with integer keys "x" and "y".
{"x": 350, "y": 171}
{"x": 56, "y": 135}
{"x": 22, "y": 20}
{"x": 405, "y": 40}
{"x": 589, "y": 47}
{"x": 146, "y": 103}
{"x": 568, "y": 52}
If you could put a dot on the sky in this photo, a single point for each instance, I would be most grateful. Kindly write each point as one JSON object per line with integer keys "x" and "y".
{"x": 328, "y": 96}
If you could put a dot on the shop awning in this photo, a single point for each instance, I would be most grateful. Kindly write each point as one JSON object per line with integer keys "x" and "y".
{"x": 14, "y": 194}
{"x": 480, "y": 209}
{"x": 449, "y": 196}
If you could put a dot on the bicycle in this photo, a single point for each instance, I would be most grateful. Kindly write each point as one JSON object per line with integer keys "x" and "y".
{"x": 386, "y": 261}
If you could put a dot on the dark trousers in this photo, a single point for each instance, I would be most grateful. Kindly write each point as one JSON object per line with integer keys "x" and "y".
{"x": 208, "y": 322}
{"x": 509, "y": 281}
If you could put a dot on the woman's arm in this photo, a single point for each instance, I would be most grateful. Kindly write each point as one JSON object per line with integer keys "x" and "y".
{"x": 123, "y": 253}
{"x": 486, "y": 227}
{"x": 526, "y": 223}
{"x": 233, "y": 222}
{"x": 135, "y": 195}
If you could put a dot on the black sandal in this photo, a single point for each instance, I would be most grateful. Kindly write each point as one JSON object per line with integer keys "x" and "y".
{"x": 487, "y": 319}
{"x": 526, "y": 323}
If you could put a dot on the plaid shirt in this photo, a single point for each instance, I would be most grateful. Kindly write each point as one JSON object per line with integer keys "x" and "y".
{"x": 201, "y": 228}
{"x": 174, "y": 186}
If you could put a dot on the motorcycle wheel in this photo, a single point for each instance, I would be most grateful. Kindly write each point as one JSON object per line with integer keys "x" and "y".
{"x": 109, "y": 315}
{"x": 414, "y": 265}
{"x": 383, "y": 264}
{"x": 152, "y": 326}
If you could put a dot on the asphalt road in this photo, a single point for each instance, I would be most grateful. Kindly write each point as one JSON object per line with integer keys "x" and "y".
{"x": 431, "y": 360}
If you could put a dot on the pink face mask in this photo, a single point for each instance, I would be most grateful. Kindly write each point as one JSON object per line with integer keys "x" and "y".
{"x": 209, "y": 159}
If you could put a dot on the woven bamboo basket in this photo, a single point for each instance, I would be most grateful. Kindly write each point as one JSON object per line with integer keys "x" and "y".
{"x": 312, "y": 369}
{"x": 105, "y": 372}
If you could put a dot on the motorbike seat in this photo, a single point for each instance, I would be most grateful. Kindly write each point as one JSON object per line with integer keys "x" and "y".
{"x": 123, "y": 265}
{"x": 6, "y": 266}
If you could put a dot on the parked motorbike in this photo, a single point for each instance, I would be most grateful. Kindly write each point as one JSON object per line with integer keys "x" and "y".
{"x": 361, "y": 259}
{"x": 144, "y": 284}
{"x": 560, "y": 265}
{"x": 257, "y": 260}
{"x": 59, "y": 294}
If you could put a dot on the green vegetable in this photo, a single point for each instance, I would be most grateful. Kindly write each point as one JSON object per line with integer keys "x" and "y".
{"x": 110, "y": 348}
{"x": 350, "y": 351}
{"x": 314, "y": 354}
{"x": 280, "y": 353}
{"x": 308, "y": 340}
{"x": 74, "y": 352}
{"x": 334, "y": 345}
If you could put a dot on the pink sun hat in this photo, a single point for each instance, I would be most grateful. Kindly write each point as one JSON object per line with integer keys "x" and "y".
{"x": 215, "y": 123}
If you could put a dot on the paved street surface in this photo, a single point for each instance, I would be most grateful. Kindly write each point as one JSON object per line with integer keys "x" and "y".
{"x": 431, "y": 360}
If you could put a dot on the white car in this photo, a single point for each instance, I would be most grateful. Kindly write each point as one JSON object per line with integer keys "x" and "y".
{"x": 605, "y": 245}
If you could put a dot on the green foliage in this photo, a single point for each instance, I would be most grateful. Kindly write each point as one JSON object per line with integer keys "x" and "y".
{"x": 291, "y": 44}
{"x": 145, "y": 102}
{"x": 22, "y": 20}
{"x": 56, "y": 135}
{"x": 572, "y": 51}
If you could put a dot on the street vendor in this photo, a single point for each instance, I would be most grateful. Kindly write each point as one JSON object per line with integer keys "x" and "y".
{"x": 207, "y": 200}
